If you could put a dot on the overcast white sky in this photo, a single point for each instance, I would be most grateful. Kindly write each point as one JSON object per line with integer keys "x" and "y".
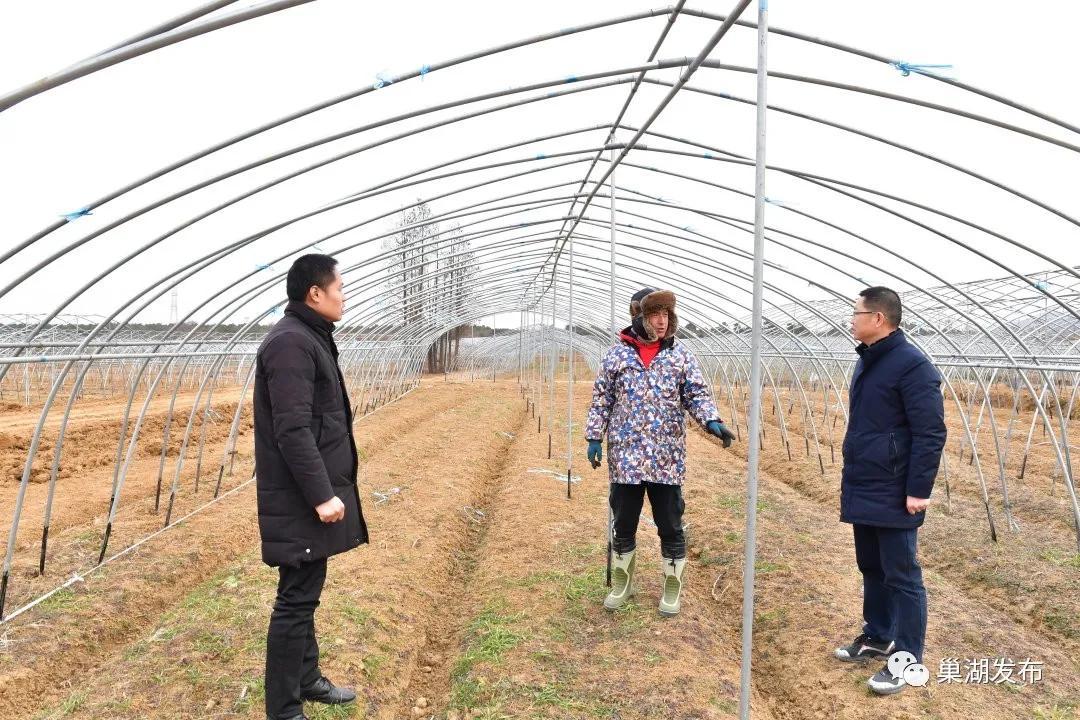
{"x": 62, "y": 149}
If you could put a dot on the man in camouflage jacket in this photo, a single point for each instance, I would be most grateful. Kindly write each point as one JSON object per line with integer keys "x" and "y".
{"x": 646, "y": 385}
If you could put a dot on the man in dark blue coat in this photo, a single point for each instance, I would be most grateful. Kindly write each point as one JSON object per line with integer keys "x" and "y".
{"x": 895, "y": 435}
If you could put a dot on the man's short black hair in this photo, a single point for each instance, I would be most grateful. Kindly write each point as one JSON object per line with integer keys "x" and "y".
{"x": 308, "y": 270}
{"x": 885, "y": 301}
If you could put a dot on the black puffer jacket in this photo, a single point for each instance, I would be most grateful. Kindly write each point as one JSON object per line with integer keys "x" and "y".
{"x": 304, "y": 448}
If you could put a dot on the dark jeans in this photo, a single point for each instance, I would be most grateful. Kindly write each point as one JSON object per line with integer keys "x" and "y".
{"x": 292, "y": 653}
{"x": 894, "y": 599}
{"x": 667, "y": 510}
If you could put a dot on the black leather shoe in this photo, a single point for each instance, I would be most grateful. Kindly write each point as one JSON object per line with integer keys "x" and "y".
{"x": 323, "y": 691}
{"x": 294, "y": 717}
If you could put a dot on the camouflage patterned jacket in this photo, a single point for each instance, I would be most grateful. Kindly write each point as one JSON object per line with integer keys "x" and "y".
{"x": 642, "y": 410}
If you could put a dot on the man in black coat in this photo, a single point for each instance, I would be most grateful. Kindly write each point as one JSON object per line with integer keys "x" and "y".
{"x": 895, "y": 435}
{"x": 305, "y": 468}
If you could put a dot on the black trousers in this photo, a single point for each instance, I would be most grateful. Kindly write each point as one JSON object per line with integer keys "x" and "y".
{"x": 667, "y": 510}
{"x": 894, "y": 598}
{"x": 292, "y": 653}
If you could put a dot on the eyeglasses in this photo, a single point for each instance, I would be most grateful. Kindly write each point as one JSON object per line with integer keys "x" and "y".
{"x": 864, "y": 312}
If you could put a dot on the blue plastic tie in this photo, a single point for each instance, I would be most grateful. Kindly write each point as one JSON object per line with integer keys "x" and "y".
{"x": 708, "y": 156}
{"x": 540, "y": 156}
{"x": 382, "y": 80}
{"x": 424, "y": 70}
{"x": 572, "y": 78}
{"x": 72, "y": 216}
{"x": 907, "y": 68}
{"x": 263, "y": 266}
{"x": 777, "y": 203}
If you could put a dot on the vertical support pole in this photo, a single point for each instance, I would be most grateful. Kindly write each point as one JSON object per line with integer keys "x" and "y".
{"x": 554, "y": 357}
{"x": 493, "y": 347}
{"x": 611, "y": 187}
{"x": 527, "y": 370}
{"x": 570, "y": 375}
{"x": 614, "y": 337}
{"x": 753, "y": 433}
{"x": 536, "y": 366}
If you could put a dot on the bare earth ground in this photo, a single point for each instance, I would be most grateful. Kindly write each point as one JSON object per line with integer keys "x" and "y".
{"x": 480, "y": 593}
{"x": 84, "y": 483}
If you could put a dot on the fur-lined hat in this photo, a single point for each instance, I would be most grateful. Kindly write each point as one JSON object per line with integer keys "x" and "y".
{"x": 647, "y": 301}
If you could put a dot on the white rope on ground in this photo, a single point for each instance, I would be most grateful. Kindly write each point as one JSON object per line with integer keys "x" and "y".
{"x": 384, "y": 496}
{"x": 474, "y": 514}
{"x": 558, "y": 476}
{"x": 716, "y": 582}
{"x": 81, "y": 577}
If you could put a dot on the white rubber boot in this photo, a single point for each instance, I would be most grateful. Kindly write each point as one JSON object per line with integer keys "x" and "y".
{"x": 674, "y": 575}
{"x": 622, "y": 579}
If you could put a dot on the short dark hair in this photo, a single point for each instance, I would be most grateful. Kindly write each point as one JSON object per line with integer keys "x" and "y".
{"x": 308, "y": 270}
{"x": 885, "y": 301}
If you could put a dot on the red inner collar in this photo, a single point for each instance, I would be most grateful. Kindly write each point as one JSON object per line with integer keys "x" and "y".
{"x": 637, "y": 342}
{"x": 646, "y": 350}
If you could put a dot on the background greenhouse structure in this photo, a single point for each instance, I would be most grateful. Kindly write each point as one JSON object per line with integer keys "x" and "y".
{"x": 492, "y": 210}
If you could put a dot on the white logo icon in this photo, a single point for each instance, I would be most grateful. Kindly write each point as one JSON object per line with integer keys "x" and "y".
{"x": 916, "y": 675}
{"x": 903, "y": 666}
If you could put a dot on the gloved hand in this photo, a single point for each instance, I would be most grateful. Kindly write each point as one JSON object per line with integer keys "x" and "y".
{"x": 596, "y": 453}
{"x": 720, "y": 430}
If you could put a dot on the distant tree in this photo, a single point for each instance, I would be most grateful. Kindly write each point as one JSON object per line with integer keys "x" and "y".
{"x": 431, "y": 270}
